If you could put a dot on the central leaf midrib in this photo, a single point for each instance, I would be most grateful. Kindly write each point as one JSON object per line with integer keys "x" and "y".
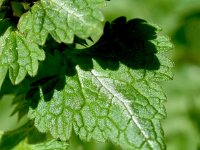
{"x": 127, "y": 107}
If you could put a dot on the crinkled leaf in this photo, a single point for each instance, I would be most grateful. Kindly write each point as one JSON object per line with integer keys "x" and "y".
{"x": 62, "y": 19}
{"x": 19, "y": 56}
{"x": 98, "y": 105}
{"x": 110, "y": 94}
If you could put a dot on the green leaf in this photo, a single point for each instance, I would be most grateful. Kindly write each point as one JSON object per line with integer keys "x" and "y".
{"x": 48, "y": 145}
{"x": 101, "y": 106}
{"x": 76, "y": 143}
{"x": 109, "y": 94}
{"x": 19, "y": 56}
{"x": 62, "y": 19}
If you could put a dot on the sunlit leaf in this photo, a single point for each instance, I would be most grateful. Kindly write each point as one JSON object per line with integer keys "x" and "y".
{"x": 19, "y": 56}
{"x": 110, "y": 96}
{"x": 63, "y": 19}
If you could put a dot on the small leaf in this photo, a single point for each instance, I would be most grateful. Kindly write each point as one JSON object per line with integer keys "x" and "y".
{"x": 19, "y": 56}
{"x": 62, "y": 19}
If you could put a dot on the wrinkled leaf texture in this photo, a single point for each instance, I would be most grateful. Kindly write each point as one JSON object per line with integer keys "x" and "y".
{"x": 110, "y": 91}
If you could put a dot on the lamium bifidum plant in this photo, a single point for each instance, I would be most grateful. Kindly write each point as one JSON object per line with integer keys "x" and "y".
{"x": 74, "y": 74}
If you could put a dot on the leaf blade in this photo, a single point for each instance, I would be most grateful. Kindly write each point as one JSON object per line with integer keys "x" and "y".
{"x": 119, "y": 104}
{"x": 19, "y": 56}
{"x": 108, "y": 96}
{"x": 62, "y": 19}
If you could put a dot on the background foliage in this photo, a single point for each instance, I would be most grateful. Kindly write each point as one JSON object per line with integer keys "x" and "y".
{"x": 180, "y": 20}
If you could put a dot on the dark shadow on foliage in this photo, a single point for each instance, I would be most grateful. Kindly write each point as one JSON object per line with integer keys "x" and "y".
{"x": 126, "y": 42}
{"x": 51, "y": 74}
{"x": 9, "y": 88}
{"x": 47, "y": 86}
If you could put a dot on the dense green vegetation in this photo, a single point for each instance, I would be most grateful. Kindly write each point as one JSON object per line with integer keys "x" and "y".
{"x": 180, "y": 20}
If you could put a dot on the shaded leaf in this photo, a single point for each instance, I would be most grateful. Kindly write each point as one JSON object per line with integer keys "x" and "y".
{"x": 10, "y": 139}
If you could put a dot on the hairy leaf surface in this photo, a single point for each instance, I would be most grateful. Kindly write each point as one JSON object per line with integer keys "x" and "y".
{"x": 62, "y": 19}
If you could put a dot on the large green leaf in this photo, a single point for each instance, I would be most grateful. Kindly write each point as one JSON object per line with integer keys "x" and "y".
{"x": 63, "y": 19}
{"x": 110, "y": 91}
{"x": 18, "y": 55}
{"x": 99, "y": 105}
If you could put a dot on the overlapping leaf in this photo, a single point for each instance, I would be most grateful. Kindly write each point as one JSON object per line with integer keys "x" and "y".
{"x": 62, "y": 19}
{"x": 19, "y": 56}
{"x": 110, "y": 94}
